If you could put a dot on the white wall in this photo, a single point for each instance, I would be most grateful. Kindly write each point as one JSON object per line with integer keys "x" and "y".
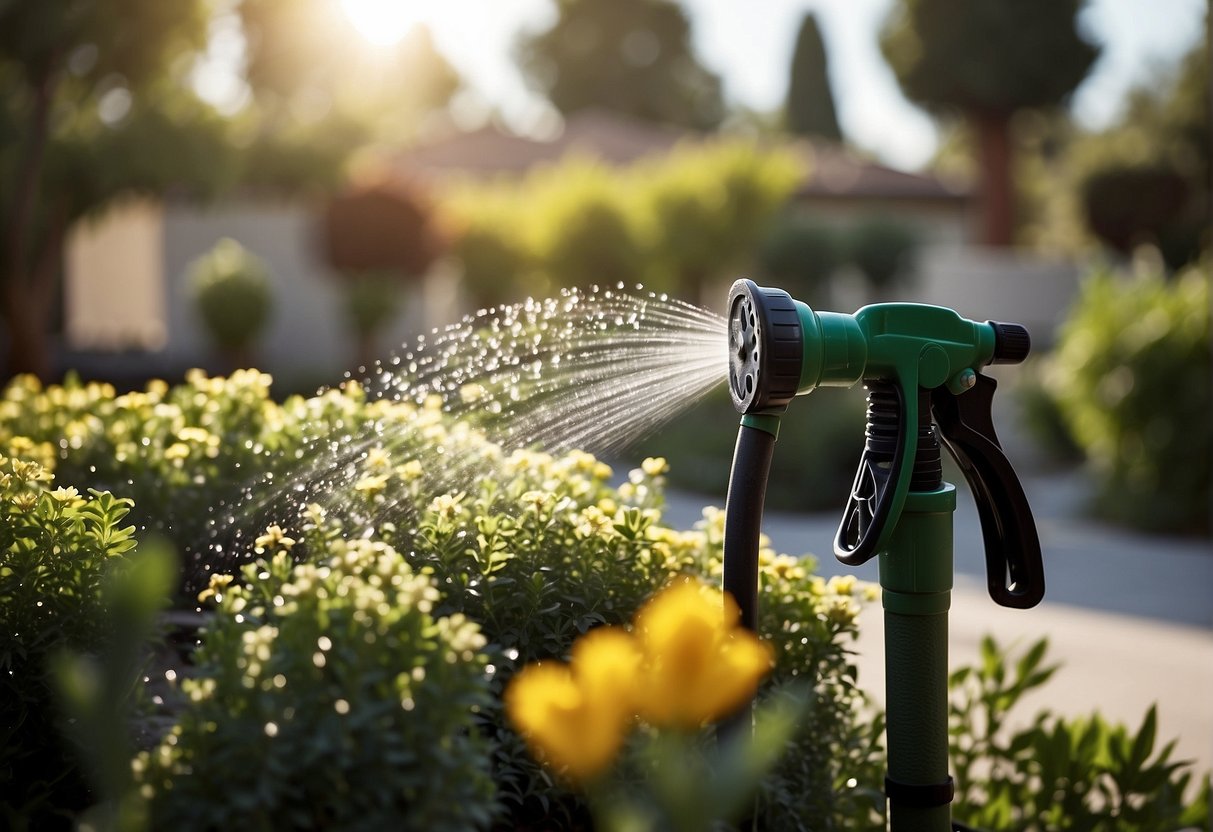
{"x": 1001, "y": 285}
{"x": 113, "y": 296}
{"x": 306, "y": 340}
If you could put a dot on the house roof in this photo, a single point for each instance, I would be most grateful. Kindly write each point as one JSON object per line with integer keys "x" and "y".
{"x": 835, "y": 173}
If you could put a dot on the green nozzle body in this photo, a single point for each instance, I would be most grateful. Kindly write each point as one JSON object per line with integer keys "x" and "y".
{"x": 781, "y": 348}
{"x": 921, "y": 364}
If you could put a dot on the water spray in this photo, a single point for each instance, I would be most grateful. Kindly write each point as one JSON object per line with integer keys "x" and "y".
{"x": 922, "y": 367}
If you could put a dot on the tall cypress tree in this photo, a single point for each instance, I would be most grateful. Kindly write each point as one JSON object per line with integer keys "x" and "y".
{"x": 810, "y": 106}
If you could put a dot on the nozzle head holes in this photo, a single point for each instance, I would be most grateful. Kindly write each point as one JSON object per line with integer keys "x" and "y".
{"x": 765, "y": 347}
{"x": 744, "y": 356}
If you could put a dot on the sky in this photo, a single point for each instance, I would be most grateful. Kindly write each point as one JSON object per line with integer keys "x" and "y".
{"x": 749, "y": 43}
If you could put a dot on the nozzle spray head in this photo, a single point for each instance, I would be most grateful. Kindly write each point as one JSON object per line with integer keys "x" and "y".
{"x": 766, "y": 348}
{"x": 779, "y": 348}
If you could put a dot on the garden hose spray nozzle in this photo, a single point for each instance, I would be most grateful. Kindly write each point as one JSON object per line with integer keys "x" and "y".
{"x": 922, "y": 367}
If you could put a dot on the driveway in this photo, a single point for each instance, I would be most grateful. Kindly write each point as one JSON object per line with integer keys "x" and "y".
{"x": 1128, "y": 616}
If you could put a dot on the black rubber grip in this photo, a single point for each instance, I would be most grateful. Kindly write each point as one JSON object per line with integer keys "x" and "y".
{"x": 1012, "y": 343}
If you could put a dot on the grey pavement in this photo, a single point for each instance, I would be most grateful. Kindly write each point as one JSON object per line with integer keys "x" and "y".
{"x": 1129, "y": 616}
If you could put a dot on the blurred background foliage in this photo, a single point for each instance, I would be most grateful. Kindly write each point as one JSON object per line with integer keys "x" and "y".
{"x": 1127, "y": 385}
{"x": 98, "y": 105}
{"x": 629, "y": 56}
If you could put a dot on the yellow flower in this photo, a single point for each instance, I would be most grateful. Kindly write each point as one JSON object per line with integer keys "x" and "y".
{"x": 699, "y": 665}
{"x": 655, "y": 466}
{"x": 377, "y": 458}
{"x": 372, "y": 484}
{"x": 66, "y": 495}
{"x": 191, "y": 434}
{"x": 217, "y": 584}
{"x": 841, "y": 584}
{"x": 576, "y": 716}
{"x": 274, "y": 538}
{"x": 410, "y": 470}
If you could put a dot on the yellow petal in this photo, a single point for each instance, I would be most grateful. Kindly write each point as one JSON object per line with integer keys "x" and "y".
{"x": 564, "y": 723}
{"x": 699, "y": 666}
{"x": 605, "y": 663}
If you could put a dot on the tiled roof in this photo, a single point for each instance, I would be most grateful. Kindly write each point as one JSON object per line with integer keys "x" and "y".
{"x": 619, "y": 140}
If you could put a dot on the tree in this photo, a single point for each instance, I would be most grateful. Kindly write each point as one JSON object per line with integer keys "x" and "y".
{"x": 84, "y": 111}
{"x": 306, "y": 56}
{"x": 809, "y": 110}
{"x": 987, "y": 59}
{"x": 379, "y": 236}
{"x": 1148, "y": 178}
{"x": 630, "y": 56}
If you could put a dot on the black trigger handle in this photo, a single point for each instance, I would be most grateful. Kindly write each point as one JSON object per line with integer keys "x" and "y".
{"x": 1014, "y": 570}
{"x": 870, "y": 505}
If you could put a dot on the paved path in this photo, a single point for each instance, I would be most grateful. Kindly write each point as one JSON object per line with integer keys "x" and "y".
{"x": 1130, "y": 617}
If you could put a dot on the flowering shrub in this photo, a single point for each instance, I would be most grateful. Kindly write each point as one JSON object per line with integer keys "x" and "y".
{"x": 544, "y": 550}
{"x": 329, "y": 697}
{"x": 201, "y": 459}
{"x": 535, "y": 548}
{"x": 181, "y": 453}
{"x": 57, "y": 547}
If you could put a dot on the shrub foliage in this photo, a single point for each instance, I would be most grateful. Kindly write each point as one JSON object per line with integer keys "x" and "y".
{"x": 1131, "y": 378}
{"x": 57, "y": 548}
{"x": 328, "y": 697}
{"x": 369, "y": 639}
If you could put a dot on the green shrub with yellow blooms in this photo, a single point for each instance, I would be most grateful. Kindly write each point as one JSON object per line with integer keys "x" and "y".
{"x": 535, "y": 548}
{"x": 58, "y": 547}
{"x": 328, "y": 695}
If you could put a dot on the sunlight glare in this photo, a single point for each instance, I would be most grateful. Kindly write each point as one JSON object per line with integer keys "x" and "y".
{"x": 382, "y": 22}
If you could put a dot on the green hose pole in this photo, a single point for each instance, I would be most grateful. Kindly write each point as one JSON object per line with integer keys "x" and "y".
{"x": 916, "y": 583}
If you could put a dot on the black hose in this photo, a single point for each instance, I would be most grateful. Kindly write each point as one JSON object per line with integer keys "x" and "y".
{"x": 742, "y": 526}
{"x": 743, "y": 519}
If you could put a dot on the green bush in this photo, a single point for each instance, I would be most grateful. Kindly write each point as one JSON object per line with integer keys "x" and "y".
{"x": 1041, "y": 415}
{"x": 579, "y": 226}
{"x": 1131, "y": 376}
{"x": 183, "y": 454}
{"x": 545, "y": 549}
{"x": 495, "y": 263}
{"x": 328, "y": 696}
{"x": 534, "y": 548}
{"x": 57, "y": 549}
{"x": 1058, "y": 773}
{"x": 676, "y": 222}
{"x": 372, "y": 301}
{"x": 882, "y": 249}
{"x": 707, "y": 208}
{"x": 232, "y": 290}
{"x": 800, "y": 256}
